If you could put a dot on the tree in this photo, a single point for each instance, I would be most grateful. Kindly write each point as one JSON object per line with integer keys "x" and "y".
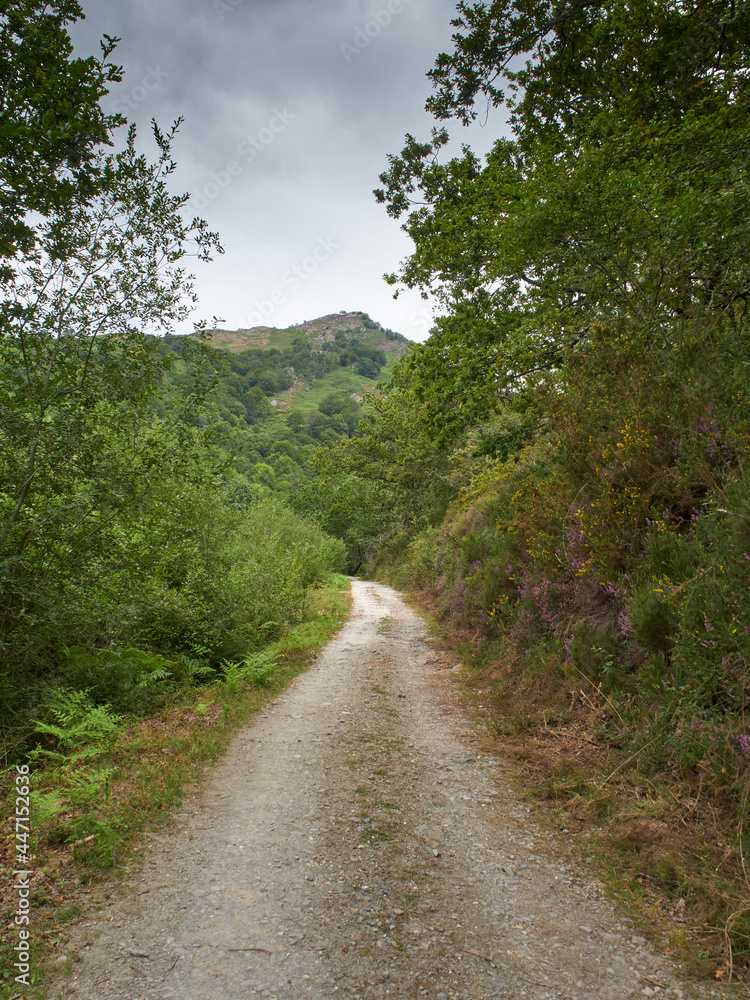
{"x": 93, "y": 269}
{"x": 80, "y": 374}
{"x": 357, "y": 510}
{"x": 394, "y": 460}
{"x": 264, "y": 473}
{"x": 562, "y": 66}
{"x": 368, "y": 368}
{"x": 617, "y": 205}
{"x": 51, "y": 119}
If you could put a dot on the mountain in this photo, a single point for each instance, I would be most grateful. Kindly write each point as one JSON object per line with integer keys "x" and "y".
{"x": 319, "y": 332}
{"x": 284, "y": 392}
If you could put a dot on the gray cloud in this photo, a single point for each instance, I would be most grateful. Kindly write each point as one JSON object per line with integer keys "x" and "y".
{"x": 290, "y": 108}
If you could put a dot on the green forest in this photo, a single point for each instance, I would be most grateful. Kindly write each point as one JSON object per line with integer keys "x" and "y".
{"x": 147, "y": 541}
{"x": 566, "y": 457}
{"x": 559, "y": 472}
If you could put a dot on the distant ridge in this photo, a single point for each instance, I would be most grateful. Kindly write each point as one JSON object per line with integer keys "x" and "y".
{"x": 353, "y": 325}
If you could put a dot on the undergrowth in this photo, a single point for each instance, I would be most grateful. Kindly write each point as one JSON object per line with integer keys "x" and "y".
{"x": 596, "y": 572}
{"x": 102, "y": 780}
{"x": 649, "y": 785}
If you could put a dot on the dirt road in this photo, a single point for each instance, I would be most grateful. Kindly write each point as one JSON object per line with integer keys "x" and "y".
{"x": 354, "y": 842}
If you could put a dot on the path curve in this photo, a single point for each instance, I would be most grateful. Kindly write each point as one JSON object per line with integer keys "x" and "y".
{"x": 354, "y": 842}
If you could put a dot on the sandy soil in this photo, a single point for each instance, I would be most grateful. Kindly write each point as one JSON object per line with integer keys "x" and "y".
{"x": 354, "y": 841}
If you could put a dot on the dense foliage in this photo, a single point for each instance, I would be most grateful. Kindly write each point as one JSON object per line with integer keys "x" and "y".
{"x": 584, "y": 400}
{"x": 132, "y": 556}
{"x": 52, "y": 121}
{"x": 270, "y": 439}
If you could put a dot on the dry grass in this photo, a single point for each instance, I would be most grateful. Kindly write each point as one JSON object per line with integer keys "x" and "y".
{"x": 666, "y": 848}
{"x": 158, "y": 761}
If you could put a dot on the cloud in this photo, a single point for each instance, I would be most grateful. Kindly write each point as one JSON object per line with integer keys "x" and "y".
{"x": 286, "y": 130}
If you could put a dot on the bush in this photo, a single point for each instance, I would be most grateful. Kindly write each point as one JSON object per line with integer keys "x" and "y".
{"x": 130, "y": 680}
{"x": 594, "y": 653}
{"x": 653, "y": 617}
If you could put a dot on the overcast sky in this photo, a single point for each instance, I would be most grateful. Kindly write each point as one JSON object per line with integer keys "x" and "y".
{"x": 290, "y": 107}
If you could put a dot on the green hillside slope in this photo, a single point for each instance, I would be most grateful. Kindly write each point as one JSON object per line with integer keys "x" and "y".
{"x": 283, "y": 392}
{"x": 318, "y": 332}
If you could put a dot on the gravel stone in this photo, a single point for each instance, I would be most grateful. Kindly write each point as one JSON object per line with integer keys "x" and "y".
{"x": 355, "y": 840}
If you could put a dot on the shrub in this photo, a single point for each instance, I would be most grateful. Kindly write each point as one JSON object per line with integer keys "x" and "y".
{"x": 130, "y": 680}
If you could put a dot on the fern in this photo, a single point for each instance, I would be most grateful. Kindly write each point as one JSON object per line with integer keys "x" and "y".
{"x": 256, "y": 670}
{"x": 155, "y": 677}
{"x": 197, "y": 669}
{"x": 234, "y": 675}
{"x": 82, "y": 733}
{"x": 47, "y": 805}
{"x": 78, "y": 725}
{"x": 260, "y": 668}
{"x": 133, "y": 680}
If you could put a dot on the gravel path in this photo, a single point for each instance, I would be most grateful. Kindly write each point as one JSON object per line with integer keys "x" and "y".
{"x": 354, "y": 842}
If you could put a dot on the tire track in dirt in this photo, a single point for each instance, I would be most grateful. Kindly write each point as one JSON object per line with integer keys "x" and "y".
{"x": 355, "y": 842}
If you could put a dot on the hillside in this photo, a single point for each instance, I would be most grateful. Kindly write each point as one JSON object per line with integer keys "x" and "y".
{"x": 319, "y": 332}
{"x": 284, "y": 392}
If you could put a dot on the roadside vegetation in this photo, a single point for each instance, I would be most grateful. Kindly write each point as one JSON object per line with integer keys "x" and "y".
{"x": 103, "y": 781}
{"x": 136, "y": 554}
{"x": 154, "y": 591}
{"x": 561, "y": 471}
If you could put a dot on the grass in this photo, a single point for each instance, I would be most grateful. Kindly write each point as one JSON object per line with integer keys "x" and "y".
{"x": 340, "y": 381}
{"x": 156, "y": 762}
{"x": 385, "y": 625}
{"x": 375, "y": 833}
{"x": 665, "y": 847}
{"x": 261, "y": 338}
